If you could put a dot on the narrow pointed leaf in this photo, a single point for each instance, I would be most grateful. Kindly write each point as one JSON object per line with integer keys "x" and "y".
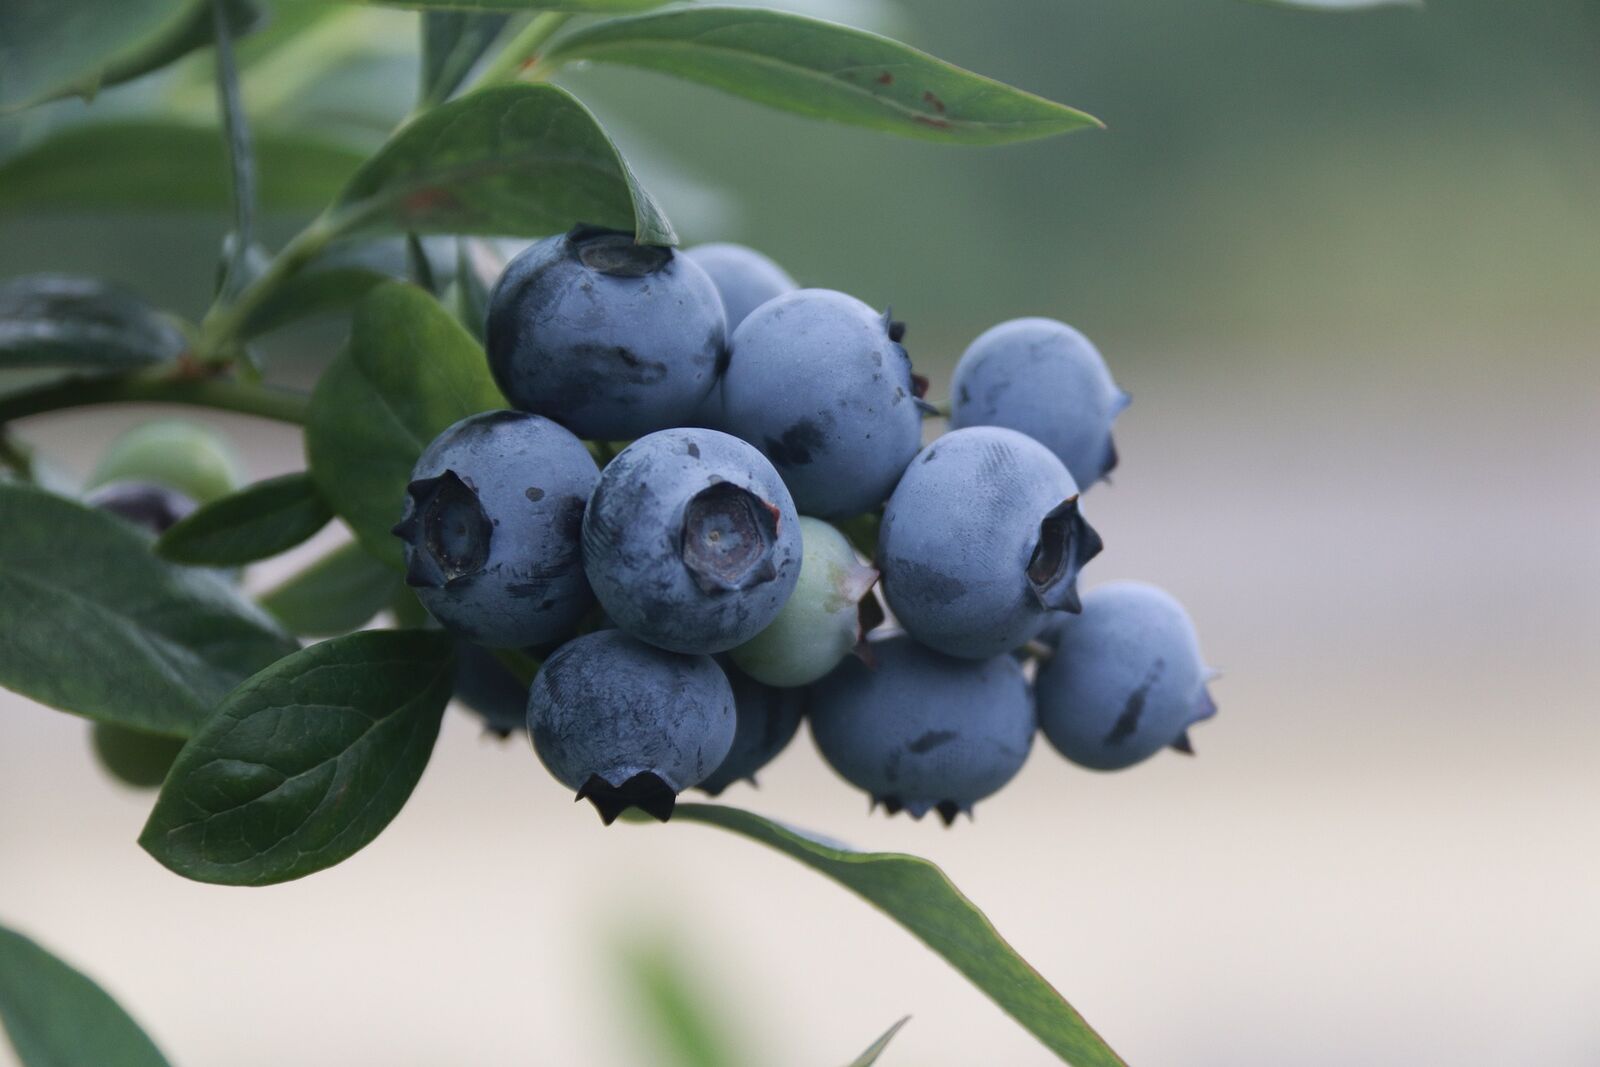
{"x": 339, "y": 592}
{"x": 870, "y": 1056}
{"x": 409, "y": 371}
{"x": 305, "y": 763}
{"x": 93, "y": 623}
{"x": 918, "y": 896}
{"x": 258, "y": 521}
{"x": 76, "y": 323}
{"x": 822, "y": 70}
{"x": 167, "y": 164}
{"x": 56, "y": 1016}
{"x": 511, "y": 159}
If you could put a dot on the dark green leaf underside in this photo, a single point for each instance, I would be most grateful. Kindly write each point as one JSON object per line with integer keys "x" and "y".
{"x": 254, "y": 523}
{"x": 92, "y": 622}
{"x": 75, "y": 323}
{"x": 56, "y": 1016}
{"x": 918, "y": 896}
{"x": 305, "y": 763}
{"x": 823, "y": 70}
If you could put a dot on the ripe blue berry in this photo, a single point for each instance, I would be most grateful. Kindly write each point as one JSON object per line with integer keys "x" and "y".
{"x": 1126, "y": 679}
{"x": 745, "y": 279}
{"x": 1042, "y": 378}
{"x": 691, "y": 541}
{"x": 768, "y": 719}
{"x": 981, "y": 540}
{"x": 818, "y": 381}
{"x": 824, "y": 619}
{"x": 610, "y": 338}
{"x": 151, "y": 507}
{"x": 628, "y": 724}
{"x": 924, "y": 730}
{"x": 491, "y": 527}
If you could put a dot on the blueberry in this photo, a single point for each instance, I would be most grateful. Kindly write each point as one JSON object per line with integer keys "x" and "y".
{"x": 824, "y": 619}
{"x": 134, "y": 757}
{"x": 628, "y": 724}
{"x": 691, "y": 541}
{"x": 1042, "y": 378}
{"x": 492, "y": 520}
{"x": 768, "y": 719}
{"x": 192, "y": 458}
{"x": 745, "y": 279}
{"x": 1126, "y": 679}
{"x": 488, "y": 688}
{"x": 610, "y": 338}
{"x": 818, "y": 381}
{"x": 151, "y": 507}
{"x": 981, "y": 540}
{"x": 924, "y": 730}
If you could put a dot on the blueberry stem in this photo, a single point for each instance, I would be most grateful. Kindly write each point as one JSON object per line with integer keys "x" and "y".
{"x": 1038, "y": 650}
{"x": 268, "y": 402}
{"x": 241, "y": 154}
{"x": 521, "y": 53}
{"x": 225, "y": 322}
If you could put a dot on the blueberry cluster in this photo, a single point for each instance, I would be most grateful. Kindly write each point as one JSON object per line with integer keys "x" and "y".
{"x": 692, "y": 601}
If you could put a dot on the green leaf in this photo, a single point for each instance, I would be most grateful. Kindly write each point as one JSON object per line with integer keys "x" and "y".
{"x": 595, "y": 7}
{"x": 307, "y": 762}
{"x": 166, "y": 164}
{"x": 870, "y": 1056}
{"x": 452, "y": 43}
{"x": 56, "y": 1016}
{"x": 258, "y": 521}
{"x": 93, "y": 623}
{"x": 511, "y": 159}
{"x": 409, "y": 371}
{"x": 918, "y": 896}
{"x": 316, "y": 291}
{"x": 822, "y": 70}
{"x": 61, "y": 320}
{"x": 339, "y": 592}
{"x": 55, "y": 48}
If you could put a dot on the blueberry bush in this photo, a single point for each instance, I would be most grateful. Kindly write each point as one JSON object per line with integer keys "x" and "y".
{"x": 640, "y": 506}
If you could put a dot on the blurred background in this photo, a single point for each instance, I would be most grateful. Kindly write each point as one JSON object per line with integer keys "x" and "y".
{"x": 1349, "y": 268}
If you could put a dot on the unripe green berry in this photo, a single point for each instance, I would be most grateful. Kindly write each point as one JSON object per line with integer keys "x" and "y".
{"x": 824, "y": 618}
{"x": 187, "y": 456}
